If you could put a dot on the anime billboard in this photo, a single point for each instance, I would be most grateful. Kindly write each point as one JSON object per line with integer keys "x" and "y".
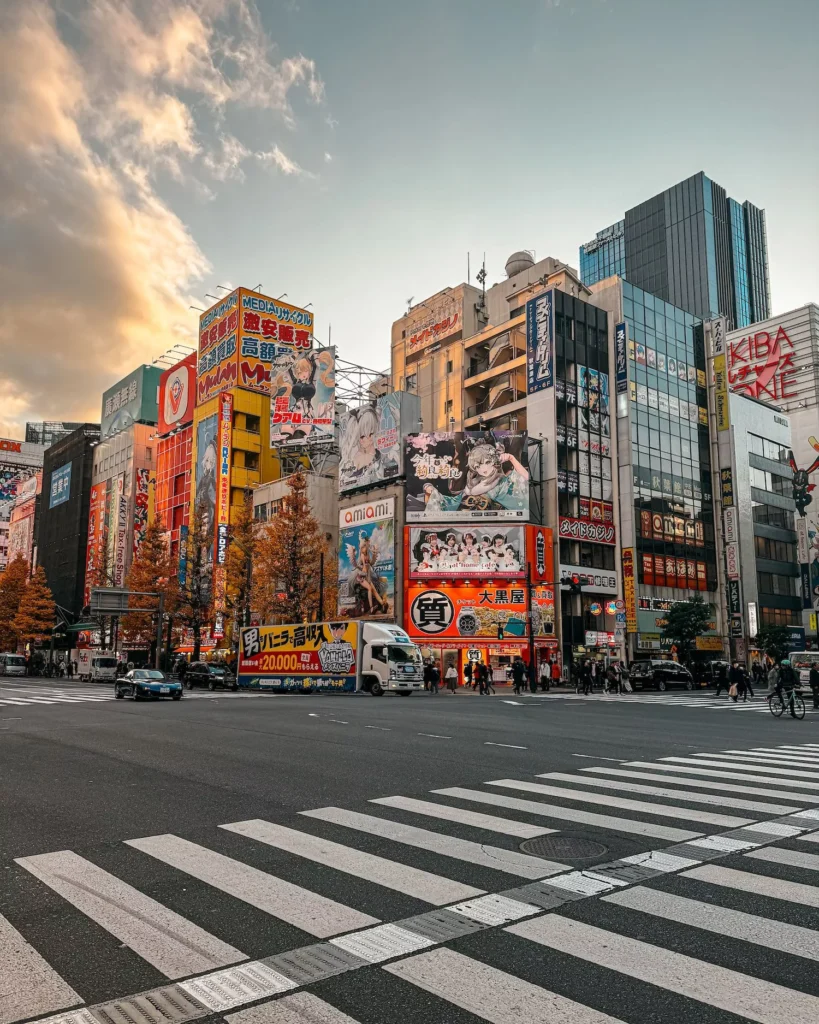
{"x": 366, "y": 560}
{"x": 467, "y": 476}
{"x": 496, "y": 551}
{"x": 207, "y": 462}
{"x": 371, "y": 442}
{"x": 302, "y": 396}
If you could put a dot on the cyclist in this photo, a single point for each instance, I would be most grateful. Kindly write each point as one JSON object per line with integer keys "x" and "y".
{"x": 788, "y": 680}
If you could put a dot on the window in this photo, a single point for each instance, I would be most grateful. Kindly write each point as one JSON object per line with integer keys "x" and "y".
{"x": 260, "y": 513}
{"x": 778, "y": 550}
{"x": 412, "y": 382}
{"x": 448, "y": 405}
{"x": 773, "y": 583}
{"x": 779, "y": 617}
{"x": 449, "y": 366}
{"x": 771, "y": 516}
{"x": 148, "y": 454}
{"x": 251, "y": 460}
{"x": 179, "y": 484}
{"x": 517, "y": 311}
{"x": 252, "y": 424}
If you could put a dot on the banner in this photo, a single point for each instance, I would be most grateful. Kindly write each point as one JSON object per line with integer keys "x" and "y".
{"x": 540, "y": 553}
{"x": 366, "y": 560}
{"x": 621, "y": 358}
{"x": 540, "y": 343}
{"x": 467, "y": 476}
{"x": 315, "y": 656}
{"x": 60, "y": 488}
{"x": 370, "y": 440}
{"x": 302, "y": 396}
{"x": 223, "y": 492}
{"x": 496, "y": 551}
{"x": 630, "y": 590}
{"x": 721, "y": 393}
{"x": 95, "y": 549}
{"x": 580, "y": 529}
{"x": 141, "y": 507}
{"x": 177, "y": 395}
{"x": 466, "y": 611}
{"x": 122, "y": 530}
{"x": 207, "y": 462}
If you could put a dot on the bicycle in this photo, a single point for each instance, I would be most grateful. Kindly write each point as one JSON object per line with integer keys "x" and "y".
{"x": 792, "y": 700}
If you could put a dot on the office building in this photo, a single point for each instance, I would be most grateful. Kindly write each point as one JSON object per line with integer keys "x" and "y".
{"x": 50, "y": 432}
{"x": 692, "y": 246}
{"x": 63, "y": 528}
{"x": 174, "y": 450}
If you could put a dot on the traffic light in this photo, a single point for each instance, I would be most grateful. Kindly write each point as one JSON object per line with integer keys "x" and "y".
{"x": 500, "y": 631}
{"x": 574, "y": 582}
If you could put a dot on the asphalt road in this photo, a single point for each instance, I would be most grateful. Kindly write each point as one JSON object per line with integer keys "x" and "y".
{"x": 348, "y": 813}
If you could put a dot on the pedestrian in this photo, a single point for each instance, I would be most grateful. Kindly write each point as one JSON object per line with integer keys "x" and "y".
{"x": 613, "y": 679}
{"x": 427, "y": 674}
{"x": 480, "y": 675}
{"x": 756, "y": 672}
{"x": 735, "y": 679}
{"x": 532, "y": 674}
{"x": 518, "y": 672}
{"x": 586, "y": 678}
{"x": 746, "y": 687}
{"x": 772, "y": 680}
{"x": 545, "y": 675}
{"x": 722, "y": 678}
{"x": 70, "y": 670}
{"x": 556, "y": 673}
{"x": 452, "y": 677}
{"x": 625, "y": 681}
{"x": 468, "y": 673}
{"x": 487, "y": 680}
{"x": 813, "y": 679}
{"x": 434, "y": 677}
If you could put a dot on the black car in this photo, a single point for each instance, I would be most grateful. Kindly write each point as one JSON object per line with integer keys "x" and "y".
{"x": 656, "y": 674}
{"x": 146, "y": 684}
{"x": 201, "y": 673}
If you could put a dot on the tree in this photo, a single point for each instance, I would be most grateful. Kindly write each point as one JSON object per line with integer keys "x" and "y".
{"x": 239, "y": 561}
{"x": 288, "y": 556}
{"x": 12, "y": 587}
{"x": 35, "y": 616}
{"x": 196, "y": 592}
{"x": 152, "y": 572}
{"x": 774, "y": 641}
{"x": 685, "y": 621}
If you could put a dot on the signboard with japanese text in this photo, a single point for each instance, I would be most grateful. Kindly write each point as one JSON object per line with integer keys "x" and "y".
{"x": 543, "y": 611}
{"x": 621, "y": 358}
{"x": 601, "y": 581}
{"x": 761, "y": 366}
{"x": 177, "y": 395}
{"x": 302, "y": 396}
{"x": 570, "y": 528}
{"x": 370, "y": 439}
{"x": 465, "y": 611}
{"x": 313, "y": 656}
{"x": 540, "y": 553}
{"x": 121, "y": 541}
{"x": 205, "y": 480}
{"x": 452, "y": 551}
{"x": 134, "y": 399}
{"x": 464, "y": 476}
{"x": 366, "y": 560}
{"x": 726, "y": 479}
{"x": 540, "y": 343}
{"x": 225, "y": 428}
{"x": 142, "y": 486}
{"x": 721, "y": 394}
{"x": 437, "y": 319}
{"x": 60, "y": 487}
{"x": 630, "y": 590}
{"x": 730, "y": 517}
{"x": 732, "y": 561}
{"x": 734, "y": 599}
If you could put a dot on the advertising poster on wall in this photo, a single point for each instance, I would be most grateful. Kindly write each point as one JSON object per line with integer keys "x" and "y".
{"x": 370, "y": 440}
{"x": 315, "y": 656}
{"x": 487, "y": 552}
{"x": 207, "y": 461}
{"x": 121, "y": 543}
{"x": 95, "y": 549}
{"x": 131, "y": 400}
{"x": 177, "y": 395}
{"x": 540, "y": 343}
{"x": 223, "y": 492}
{"x": 302, "y": 396}
{"x": 467, "y": 476}
{"x": 471, "y": 610}
{"x": 141, "y": 507}
{"x": 543, "y": 611}
{"x": 366, "y": 560}
{"x": 60, "y": 487}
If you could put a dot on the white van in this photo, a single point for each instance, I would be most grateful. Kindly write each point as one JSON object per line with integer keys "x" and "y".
{"x": 97, "y": 666}
{"x": 12, "y": 665}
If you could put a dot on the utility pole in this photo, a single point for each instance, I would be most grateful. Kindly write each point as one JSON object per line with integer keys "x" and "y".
{"x": 321, "y": 588}
{"x": 160, "y": 611}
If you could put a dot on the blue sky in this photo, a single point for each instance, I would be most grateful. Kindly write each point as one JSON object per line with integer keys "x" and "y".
{"x": 351, "y": 153}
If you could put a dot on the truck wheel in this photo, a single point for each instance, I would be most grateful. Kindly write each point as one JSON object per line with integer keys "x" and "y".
{"x": 377, "y": 690}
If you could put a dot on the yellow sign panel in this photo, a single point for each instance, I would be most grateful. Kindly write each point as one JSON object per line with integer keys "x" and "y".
{"x": 813, "y": 622}
{"x": 629, "y": 590}
{"x": 708, "y": 643}
{"x": 316, "y": 655}
{"x": 721, "y": 393}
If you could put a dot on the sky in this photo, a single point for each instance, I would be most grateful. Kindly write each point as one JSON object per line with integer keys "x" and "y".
{"x": 350, "y": 153}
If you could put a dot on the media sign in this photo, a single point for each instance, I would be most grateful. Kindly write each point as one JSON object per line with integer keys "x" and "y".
{"x": 60, "y": 489}
{"x": 621, "y": 358}
{"x": 540, "y": 343}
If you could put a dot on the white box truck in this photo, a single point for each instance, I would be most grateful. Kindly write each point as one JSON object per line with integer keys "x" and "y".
{"x": 345, "y": 656}
{"x": 97, "y": 666}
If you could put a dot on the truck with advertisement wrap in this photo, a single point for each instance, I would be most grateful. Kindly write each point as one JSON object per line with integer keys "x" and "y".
{"x": 330, "y": 657}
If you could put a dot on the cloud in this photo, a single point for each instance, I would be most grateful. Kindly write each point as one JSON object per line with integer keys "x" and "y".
{"x": 99, "y": 101}
{"x": 328, "y": 158}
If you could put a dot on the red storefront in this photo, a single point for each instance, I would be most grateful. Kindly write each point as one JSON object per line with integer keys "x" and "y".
{"x": 177, "y": 394}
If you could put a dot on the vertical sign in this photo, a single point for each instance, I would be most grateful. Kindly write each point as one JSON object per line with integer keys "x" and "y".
{"x": 122, "y": 530}
{"x": 726, "y": 479}
{"x": 540, "y": 343}
{"x": 621, "y": 358}
{"x": 732, "y": 561}
{"x": 753, "y": 619}
{"x": 223, "y": 492}
{"x": 182, "y": 572}
{"x": 734, "y": 601}
{"x": 803, "y": 558}
{"x": 629, "y": 590}
{"x": 95, "y": 551}
{"x": 731, "y": 524}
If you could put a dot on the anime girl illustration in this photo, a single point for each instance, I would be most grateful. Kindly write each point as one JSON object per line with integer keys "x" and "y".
{"x": 364, "y": 580}
{"x": 299, "y": 378}
{"x": 495, "y": 479}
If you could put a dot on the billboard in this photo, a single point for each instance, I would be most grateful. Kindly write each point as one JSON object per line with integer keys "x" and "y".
{"x": 121, "y": 513}
{"x": 177, "y": 395}
{"x": 621, "y": 358}
{"x": 540, "y": 330}
{"x": 366, "y": 560}
{"x": 60, "y": 487}
{"x": 302, "y": 396}
{"x": 141, "y": 506}
{"x": 540, "y": 553}
{"x": 241, "y": 335}
{"x": 470, "y": 610}
{"x": 496, "y": 551}
{"x": 543, "y": 611}
{"x": 315, "y": 656}
{"x": 762, "y": 366}
{"x": 370, "y": 440}
{"x": 223, "y": 493}
{"x": 131, "y": 400}
{"x": 207, "y": 461}
{"x": 21, "y": 525}
{"x": 441, "y": 320}
{"x": 467, "y": 476}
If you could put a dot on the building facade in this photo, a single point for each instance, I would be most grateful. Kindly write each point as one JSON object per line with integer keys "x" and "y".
{"x": 23, "y": 521}
{"x": 63, "y": 527}
{"x": 174, "y": 450}
{"x": 19, "y": 460}
{"x": 692, "y": 246}
{"x": 50, "y": 432}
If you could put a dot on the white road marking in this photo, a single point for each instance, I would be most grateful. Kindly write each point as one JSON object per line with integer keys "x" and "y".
{"x": 795, "y": 754}
{"x": 490, "y": 822}
{"x": 300, "y": 1008}
{"x": 640, "y": 806}
{"x": 788, "y": 938}
{"x": 764, "y": 760}
{"x": 511, "y": 746}
{"x": 740, "y": 994}
{"x": 435, "y": 735}
{"x": 723, "y": 774}
{"x": 28, "y": 985}
{"x": 225, "y": 989}
{"x": 694, "y": 798}
{"x": 377, "y": 944}
{"x": 544, "y": 810}
{"x": 494, "y": 857}
{"x": 490, "y": 994}
{"x": 727, "y": 787}
{"x": 759, "y": 885}
{"x": 495, "y": 909}
{"x": 307, "y": 910}
{"x": 379, "y": 728}
{"x": 591, "y": 757}
{"x": 337, "y": 721}
{"x": 714, "y": 762}
{"x": 172, "y": 944}
{"x": 793, "y": 858}
{"x": 812, "y": 838}
{"x": 422, "y": 885}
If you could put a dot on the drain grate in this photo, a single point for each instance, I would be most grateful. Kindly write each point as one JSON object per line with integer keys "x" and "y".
{"x": 564, "y": 847}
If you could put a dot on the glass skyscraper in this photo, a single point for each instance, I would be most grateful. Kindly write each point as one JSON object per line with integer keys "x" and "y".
{"x": 692, "y": 246}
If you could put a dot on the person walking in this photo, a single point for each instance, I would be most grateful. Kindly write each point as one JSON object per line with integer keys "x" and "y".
{"x": 613, "y": 679}
{"x": 586, "y": 678}
{"x": 434, "y": 677}
{"x": 545, "y": 675}
{"x": 813, "y": 679}
{"x": 487, "y": 680}
{"x": 480, "y": 674}
{"x": 532, "y": 674}
{"x": 746, "y": 687}
{"x": 451, "y": 677}
{"x": 427, "y": 674}
{"x": 69, "y": 669}
{"x": 736, "y": 680}
{"x": 722, "y": 679}
{"x": 556, "y": 673}
{"x": 518, "y": 672}
{"x": 468, "y": 673}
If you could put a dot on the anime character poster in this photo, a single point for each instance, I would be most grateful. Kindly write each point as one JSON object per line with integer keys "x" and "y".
{"x": 207, "y": 462}
{"x": 370, "y": 442}
{"x": 302, "y": 396}
{"x": 313, "y": 656}
{"x": 487, "y": 552}
{"x": 366, "y": 568}
{"x": 467, "y": 476}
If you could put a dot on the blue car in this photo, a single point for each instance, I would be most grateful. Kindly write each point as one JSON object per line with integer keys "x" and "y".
{"x": 146, "y": 684}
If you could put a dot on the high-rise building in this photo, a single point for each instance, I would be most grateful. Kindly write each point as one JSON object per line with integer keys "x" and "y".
{"x": 692, "y": 246}
{"x": 50, "y": 432}
{"x": 174, "y": 450}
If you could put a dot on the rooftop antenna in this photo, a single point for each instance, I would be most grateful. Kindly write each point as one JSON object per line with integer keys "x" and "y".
{"x": 468, "y": 277}
{"x": 197, "y": 307}
{"x": 223, "y": 287}
{"x": 258, "y": 287}
{"x": 409, "y": 302}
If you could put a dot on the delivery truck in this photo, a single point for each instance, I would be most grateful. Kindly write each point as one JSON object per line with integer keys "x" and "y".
{"x": 96, "y": 666}
{"x": 345, "y": 656}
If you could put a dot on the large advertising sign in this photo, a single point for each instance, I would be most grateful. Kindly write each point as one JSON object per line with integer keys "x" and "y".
{"x": 302, "y": 396}
{"x": 471, "y": 610}
{"x": 177, "y": 395}
{"x": 366, "y": 560}
{"x": 570, "y": 528}
{"x": 370, "y": 440}
{"x": 495, "y": 551}
{"x": 621, "y": 358}
{"x": 630, "y": 590}
{"x": 434, "y": 324}
{"x": 540, "y": 553}
{"x": 207, "y": 462}
{"x": 60, "y": 487}
{"x": 141, "y": 506}
{"x": 315, "y": 656}
{"x": 120, "y": 544}
{"x": 223, "y": 493}
{"x": 762, "y": 366}
{"x": 540, "y": 331}
{"x": 240, "y": 336}
{"x": 467, "y": 476}
{"x": 131, "y": 400}
{"x": 543, "y": 611}
{"x": 95, "y": 550}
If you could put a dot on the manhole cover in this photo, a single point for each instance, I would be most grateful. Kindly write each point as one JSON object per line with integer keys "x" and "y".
{"x": 563, "y": 847}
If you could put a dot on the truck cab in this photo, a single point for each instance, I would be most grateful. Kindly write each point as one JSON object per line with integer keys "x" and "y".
{"x": 389, "y": 660}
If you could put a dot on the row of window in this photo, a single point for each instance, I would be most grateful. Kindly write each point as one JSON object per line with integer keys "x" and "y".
{"x": 771, "y": 482}
{"x": 775, "y": 583}
{"x": 768, "y": 449}
{"x": 779, "y": 617}
{"x": 776, "y": 550}
{"x": 770, "y": 515}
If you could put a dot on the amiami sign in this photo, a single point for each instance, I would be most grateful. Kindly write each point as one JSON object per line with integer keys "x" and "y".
{"x": 761, "y": 365}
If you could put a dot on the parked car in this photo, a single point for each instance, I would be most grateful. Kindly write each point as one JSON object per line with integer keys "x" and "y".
{"x": 12, "y": 665}
{"x": 211, "y": 675}
{"x": 708, "y": 671}
{"x": 147, "y": 683}
{"x": 656, "y": 674}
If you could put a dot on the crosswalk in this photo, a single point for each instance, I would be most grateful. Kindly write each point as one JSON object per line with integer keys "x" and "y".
{"x": 249, "y": 910}
{"x": 757, "y": 705}
{"x": 22, "y": 695}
